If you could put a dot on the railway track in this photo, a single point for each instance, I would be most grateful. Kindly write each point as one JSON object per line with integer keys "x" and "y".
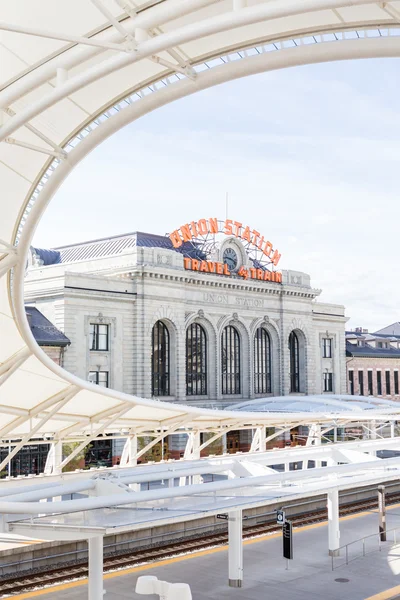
{"x": 28, "y": 580}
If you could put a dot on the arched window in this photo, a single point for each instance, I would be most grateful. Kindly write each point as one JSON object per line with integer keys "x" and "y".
{"x": 294, "y": 362}
{"x": 196, "y": 360}
{"x": 262, "y": 362}
{"x": 230, "y": 358}
{"x": 160, "y": 360}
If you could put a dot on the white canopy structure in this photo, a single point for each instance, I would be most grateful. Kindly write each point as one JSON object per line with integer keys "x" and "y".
{"x": 75, "y": 71}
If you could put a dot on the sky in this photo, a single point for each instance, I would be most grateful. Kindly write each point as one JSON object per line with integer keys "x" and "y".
{"x": 308, "y": 156}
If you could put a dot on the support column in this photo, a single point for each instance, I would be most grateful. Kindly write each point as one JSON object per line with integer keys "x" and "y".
{"x": 392, "y": 429}
{"x": 373, "y": 436}
{"x": 57, "y": 457}
{"x": 317, "y": 442}
{"x": 263, "y": 439}
{"x": 235, "y": 549}
{"x": 333, "y": 523}
{"x": 54, "y": 459}
{"x": 132, "y": 450}
{"x": 95, "y": 585}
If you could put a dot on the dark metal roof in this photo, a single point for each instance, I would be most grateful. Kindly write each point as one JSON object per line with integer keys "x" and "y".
{"x": 115, "y": 245}
{"x": 393, "y": 330}
{"x": 368, "y": 351}
{"x": 44, "y": 332}
{"x": 47, "y": 257}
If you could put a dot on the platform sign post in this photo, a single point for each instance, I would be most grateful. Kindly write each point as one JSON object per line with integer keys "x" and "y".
{"x": 280, "y": 517}
{"x": 382, "y": 512}
{"x": 287, "y": 536}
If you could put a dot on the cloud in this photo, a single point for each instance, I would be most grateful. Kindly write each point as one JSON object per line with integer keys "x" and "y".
{"x": 308, "y": 155}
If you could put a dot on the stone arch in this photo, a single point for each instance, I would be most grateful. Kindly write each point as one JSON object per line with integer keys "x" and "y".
{"x": 212, "y": 342}
{"x": 244, "y": 338}
{"x": 273, "y": 332}
{"x": 176, "y": 334}
{"x": 165, "y": 313}
{"x": 298, "y": 328}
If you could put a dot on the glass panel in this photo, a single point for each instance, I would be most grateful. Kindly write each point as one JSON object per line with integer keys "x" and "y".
{"x": 160, "y": 360}
{"x": 387, "y": 374}
{"x": 327, "y": 348}
{"x": 361, "y": 382}
{"x": 294, "y": 362}
{"x": 230, "y": 361}
{"x": 92, "y": 337}
{"x": 92, "y": 377}
{"x": 262, "y": 362}
{"x": 379, "y": 383}
{"x": 103, "y": 378}
{"x": 370, "y": 384}
{"x": 196, "y": 360}
{"x": 98, "y": 337}
{"x": 102, "y": 337}
{"x": 351, "y": 383}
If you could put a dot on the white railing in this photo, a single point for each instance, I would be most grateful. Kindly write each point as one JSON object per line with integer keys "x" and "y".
{"x": 363, "y": 546}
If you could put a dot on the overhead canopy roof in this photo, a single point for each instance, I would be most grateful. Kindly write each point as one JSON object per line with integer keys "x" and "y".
{"x": 318, "y": 403}
{"x": 109, "y": 502}
{"x": 75, "y": 71}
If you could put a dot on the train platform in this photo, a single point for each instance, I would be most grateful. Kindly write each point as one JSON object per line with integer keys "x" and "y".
{"x": 309, "y": 575}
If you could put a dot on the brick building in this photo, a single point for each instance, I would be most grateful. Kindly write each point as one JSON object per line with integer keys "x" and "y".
{"x": 52, "y": 341}
{"x": 373, "y": 362}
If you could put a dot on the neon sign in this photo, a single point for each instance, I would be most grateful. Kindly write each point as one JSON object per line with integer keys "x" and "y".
{"x": 203, "y": 227}
{"x": 207, "y": 266}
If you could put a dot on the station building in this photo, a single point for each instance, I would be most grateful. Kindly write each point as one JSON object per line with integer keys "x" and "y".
{"x": 201, "y": 316}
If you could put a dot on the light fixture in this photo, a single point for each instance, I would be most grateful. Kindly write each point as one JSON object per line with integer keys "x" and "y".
{"x": 148, "y": 584}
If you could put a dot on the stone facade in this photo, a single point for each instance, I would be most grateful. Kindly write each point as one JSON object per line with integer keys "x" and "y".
{"x": 134, "y": 289}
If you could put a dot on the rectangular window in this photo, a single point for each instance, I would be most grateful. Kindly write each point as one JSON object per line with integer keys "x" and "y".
{"x": 327, "y": 348}
{"x": 351, "y": 383}
{"x": 396, "y": 383}
{"x": 379, "y": 345}
{"x": 99, "y": 337}
{"x": 370, "y": 384}
{"x": 379, "y": 383}
{"x": 328, "y": 382}
{"x": 387, "y": 376}
{"x": 99, "y": 378}
{"x": 361, "y": 382}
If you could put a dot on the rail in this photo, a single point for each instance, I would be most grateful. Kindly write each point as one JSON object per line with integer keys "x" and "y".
{"x": 363, "y": 546}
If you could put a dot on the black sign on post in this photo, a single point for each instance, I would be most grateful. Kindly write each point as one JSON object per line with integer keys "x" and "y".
{"x": 382, "y": 512}
{"x": 223, "y": 516}
{"x": 280, "y": 517}
{"x": 287, "y": 540}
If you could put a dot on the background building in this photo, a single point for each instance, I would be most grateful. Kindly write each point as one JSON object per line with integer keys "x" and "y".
{"x": 373, "y": 362}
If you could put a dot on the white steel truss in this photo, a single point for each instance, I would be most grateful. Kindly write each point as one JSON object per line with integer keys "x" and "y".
{"x": 100, "y": 67}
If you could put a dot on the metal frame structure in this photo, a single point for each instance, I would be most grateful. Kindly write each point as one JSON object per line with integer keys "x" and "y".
{"x": 72, "y": 78}
{"x": 178, "y": 494}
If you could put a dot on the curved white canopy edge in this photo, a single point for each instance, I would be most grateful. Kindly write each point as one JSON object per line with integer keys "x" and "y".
{"x": 75, "y": 74}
